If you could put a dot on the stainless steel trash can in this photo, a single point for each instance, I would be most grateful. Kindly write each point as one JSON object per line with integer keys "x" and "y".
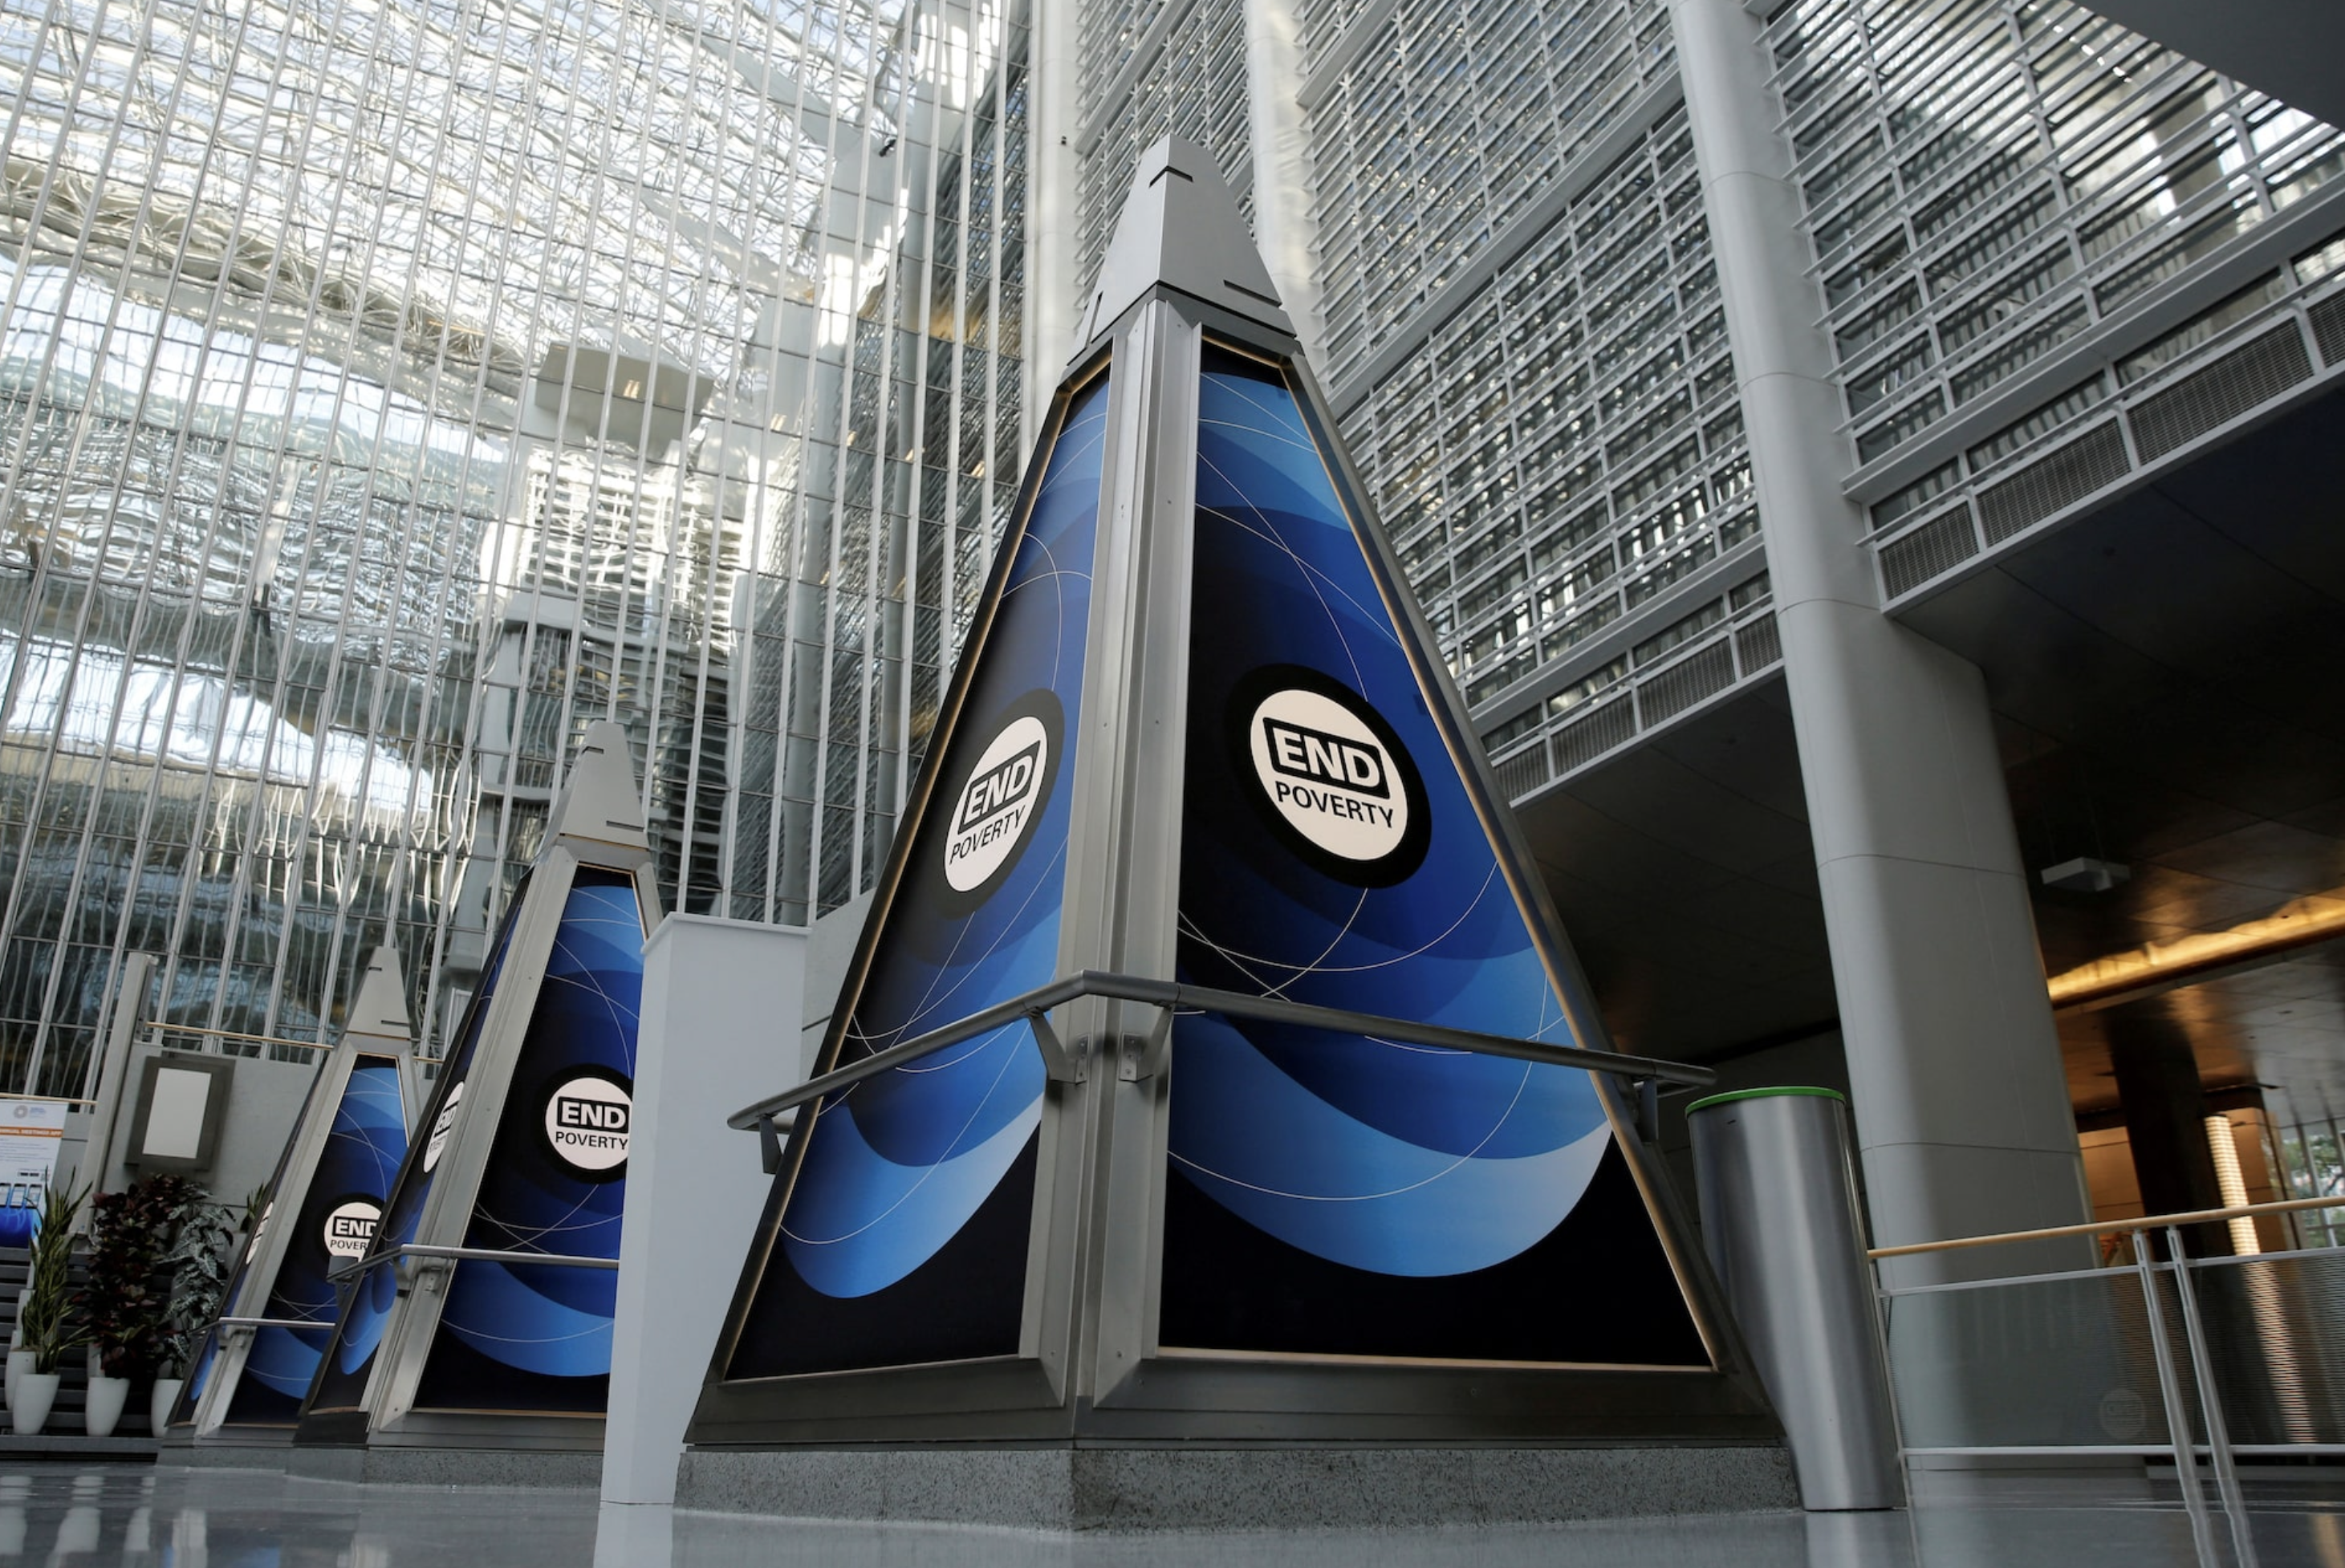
{"x": 1778, "y": 1218}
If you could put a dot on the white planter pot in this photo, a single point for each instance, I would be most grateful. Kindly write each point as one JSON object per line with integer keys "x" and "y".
{"x": 19, "y": 1363}
{"x": 159, "y": 1403}
{"x": 103, "y": 1411}
{"x": 35, "y": 1392}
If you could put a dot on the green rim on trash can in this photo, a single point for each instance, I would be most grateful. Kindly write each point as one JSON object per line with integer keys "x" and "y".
{"x": 1705, "y": 1103}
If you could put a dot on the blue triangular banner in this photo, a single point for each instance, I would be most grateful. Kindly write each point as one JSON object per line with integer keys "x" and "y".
{"x": 1386, "y": 1199}
{"x": 915, "y": 1188}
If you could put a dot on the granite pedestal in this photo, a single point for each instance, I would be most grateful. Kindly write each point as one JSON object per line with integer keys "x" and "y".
{"x": 1154, "y": 1488}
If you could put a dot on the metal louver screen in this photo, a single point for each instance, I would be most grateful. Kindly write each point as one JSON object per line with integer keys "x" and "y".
{"x": 1938, "y": 545}
{"x": 2328, "y": 328}
{"x": 1758, "y": 644}
{"x": 1683, "y": 684}
{"x": 1608, "y": 726}
{"x": 2093, "y": 459}
{"x": 2254, "y": 373}
{"x": 1522, "y": 773}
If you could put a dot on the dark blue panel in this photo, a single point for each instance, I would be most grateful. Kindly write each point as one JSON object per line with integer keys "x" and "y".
{"x": 1332, "y": 852}
{"x": 901, "y": 1172}
{"x": 349, "y": 1358}
{"x": 346, "y": 1192}
{"x": 522, "y": 1337}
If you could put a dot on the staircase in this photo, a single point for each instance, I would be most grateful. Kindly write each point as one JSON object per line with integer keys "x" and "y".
{"x": 65, "y": 1433}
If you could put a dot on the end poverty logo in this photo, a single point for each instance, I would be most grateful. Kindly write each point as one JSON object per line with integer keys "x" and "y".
{"x": 1001, "y": 797}
{"x": 1334, "y": 777}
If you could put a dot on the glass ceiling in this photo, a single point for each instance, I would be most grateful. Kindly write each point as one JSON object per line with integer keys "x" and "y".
{"x": 387, "y": 389}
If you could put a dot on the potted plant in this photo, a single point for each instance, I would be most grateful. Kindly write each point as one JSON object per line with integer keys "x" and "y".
{"x": 124, "y": 1301}
{"x": 49, "y": 1327}
{"x": 198, "y": 1267}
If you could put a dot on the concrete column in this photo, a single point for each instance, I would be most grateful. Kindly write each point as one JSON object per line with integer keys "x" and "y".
{"x": 1052, "y": 200}
{"x": 2165, "y": 1113}
{"x": 719, "y": 1029}
{"x": 113, "y": 1075}
{"x": 1961, "y": 1105}
{"x": 1284, "y": 227}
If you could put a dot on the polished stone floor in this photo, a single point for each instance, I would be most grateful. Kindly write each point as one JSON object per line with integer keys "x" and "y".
{"x": 133, "y": 1514}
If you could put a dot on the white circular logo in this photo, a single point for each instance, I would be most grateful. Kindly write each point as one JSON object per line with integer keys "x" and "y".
{"x": 586, "y": 1122}
{"x": 350, "y": 1229}
{"x": 998, "y": 803}
{"x": 443, "y": 1127}
{"x": 1329, "y": 775}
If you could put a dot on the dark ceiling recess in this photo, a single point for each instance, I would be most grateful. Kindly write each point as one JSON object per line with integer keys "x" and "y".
{"x": 2166, "y": 674}
{"x": 2289, "y": 48}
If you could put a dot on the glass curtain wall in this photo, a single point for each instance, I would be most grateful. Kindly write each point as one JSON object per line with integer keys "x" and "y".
{"x": 386, "y": 389}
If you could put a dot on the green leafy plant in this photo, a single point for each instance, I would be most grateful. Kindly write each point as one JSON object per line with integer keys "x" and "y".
{"x": 198, "y": 1263}
{"x": 127, "y": 1291}
{"x": 50, "y": 1327}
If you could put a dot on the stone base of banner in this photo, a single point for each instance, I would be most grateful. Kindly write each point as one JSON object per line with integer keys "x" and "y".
{"x": 575, "y": 1472}
{"x": 1149, "y": 1488}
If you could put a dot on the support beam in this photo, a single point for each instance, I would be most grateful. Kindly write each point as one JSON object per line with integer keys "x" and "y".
{"x": 1961, "y": 1106}
{"x": 2165, "y": 1113}
{"x": 1283, "y": 224}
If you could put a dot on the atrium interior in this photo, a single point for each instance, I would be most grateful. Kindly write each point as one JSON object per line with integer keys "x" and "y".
{"x": 1864, "y": 468}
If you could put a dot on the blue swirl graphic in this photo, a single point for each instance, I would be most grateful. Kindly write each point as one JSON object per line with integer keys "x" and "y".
{"x": 895, "y": 1169}
{"x": 1398, "y": 1159}
{"x": 361, "y": 1156}
{"x": 350, "y": 1358}
{"x": 536, "y": 1333}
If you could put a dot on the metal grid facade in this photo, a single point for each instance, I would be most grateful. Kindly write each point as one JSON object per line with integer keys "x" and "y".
{"x": 389, "y": 389}
{"x": 2048, "y": 253}
{"x": 1986, "y": 182}
{"x": 1566, "y": 452}
{"x": 1434, "y": 126}
{"x": 1177, "y": 67}
{"x": 2035, "y": 235}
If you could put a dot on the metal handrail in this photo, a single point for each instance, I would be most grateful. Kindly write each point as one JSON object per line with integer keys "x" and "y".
{"x": 1173, "y": 996}
{"x": 2104, "y": 1227}
{"x": 2194, "y": 1351}
{"x": 358, "y": 1266}
{"x": 273, "y": 1323}
{"x": 155, "y": 1031}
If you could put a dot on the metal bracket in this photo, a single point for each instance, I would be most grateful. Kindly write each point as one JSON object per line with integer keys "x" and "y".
{"x": 771, "y": 1131}
{"x": 1142, "y": 1057}
{"x": 1064, "y": 1067}
{"x": 427, "y": 1274}
{"x": 1648, "y": 1110}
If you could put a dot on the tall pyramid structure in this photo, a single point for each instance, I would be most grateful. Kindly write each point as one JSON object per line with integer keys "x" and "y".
{"x": 481, "y": 1313}
{"x": 323, "y": 1205}
{"x": 1212, "y": 1070}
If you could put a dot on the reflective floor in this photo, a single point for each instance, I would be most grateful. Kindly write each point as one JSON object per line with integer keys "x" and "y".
{"x": 135, "y": 1514}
